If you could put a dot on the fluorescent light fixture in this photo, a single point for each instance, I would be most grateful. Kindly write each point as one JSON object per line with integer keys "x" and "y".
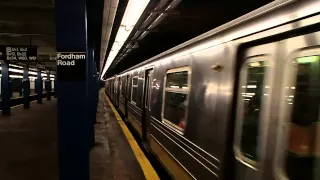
{"x": 51, "y": 75}
{"x": 246, "y": 96}
{"x": 16, "y": 70}
{"x": 174, "y": 86}
{"x": 52, "y": 79}
{"x": 42, "y": 74}
{"x": 33, "y": 73}
{"x": 132, "y": 14}
{"x": 251, "y": 86}
{"x": 16, "y": 76}
{"x": 255, "y": 64}
{"x": 12, "y": 65}
{"x": 308, "y": 59}
{"x": 33, "y": 69}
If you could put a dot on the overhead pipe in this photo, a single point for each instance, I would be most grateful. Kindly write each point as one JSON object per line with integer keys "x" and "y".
{"x": 160, "y": 18}
{"x": 152, "y": 17}
{"x": 109, "y": 14}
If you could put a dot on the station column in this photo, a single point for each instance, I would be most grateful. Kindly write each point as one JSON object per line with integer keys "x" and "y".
{"x": 26, "y": 88}
{"x": 5, "y": 88}
{"x": 48, "y": 86}
{"x": 73, "y": 132}
{"x": 39, "y": 86}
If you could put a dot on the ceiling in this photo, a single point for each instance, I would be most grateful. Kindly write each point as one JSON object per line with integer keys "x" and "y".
{"x": 29, "y": 22}
{"x": 32, "y": 22}
{"x": 187, "y": 20}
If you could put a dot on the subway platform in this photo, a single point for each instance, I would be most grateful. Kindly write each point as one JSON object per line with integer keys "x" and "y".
{"x": 28, "y": 138}
{"x": 116, "y": 155}
{"x": 29, "y": 145}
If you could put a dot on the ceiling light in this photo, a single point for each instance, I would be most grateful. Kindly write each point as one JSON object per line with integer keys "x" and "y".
{"x": 308, "y": 59}
{"x": 33, "y": 73}
{"x": 132, "y": 14}
{"x": 16, "y": 76}
{"x": 15, "y": 70}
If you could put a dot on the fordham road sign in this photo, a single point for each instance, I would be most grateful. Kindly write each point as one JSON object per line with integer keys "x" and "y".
{"x": 71, "y": 66}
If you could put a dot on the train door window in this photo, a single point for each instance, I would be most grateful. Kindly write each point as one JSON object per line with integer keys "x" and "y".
{"x": 120, "y": 87}
{"x": 123, "y": 86}
{"x": 175, "y": 103}
{"x": 301, "y": 112}
{"x": 252, "y": 91}
{"x": 134, "y": 90}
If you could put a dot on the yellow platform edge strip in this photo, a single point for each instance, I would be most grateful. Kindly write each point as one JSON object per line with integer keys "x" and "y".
{"x": 148, "y": 170}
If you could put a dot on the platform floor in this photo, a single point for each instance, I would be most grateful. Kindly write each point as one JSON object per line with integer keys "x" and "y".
{"x": 28, "y": 139}
{"x": 112, "y": 158}
{"x": 29, "y": 151}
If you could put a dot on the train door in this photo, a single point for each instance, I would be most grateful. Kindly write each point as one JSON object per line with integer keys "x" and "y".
{"x": 117, "y": 91}
{"x": 146, "y": 107}
{"x": 252, "y": 113}
{"x": 298, "y": 149}
{"x": 126, "y": 96}
{"x": 111, "y": 89}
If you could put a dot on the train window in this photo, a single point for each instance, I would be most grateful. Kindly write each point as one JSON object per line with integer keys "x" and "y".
{"x": 302, "y": 104}
{"x": 177, "y": 80}
{"x": 176, "y": 93}
{"x": 123, "y": 87}
{"x": 134, "y": 90}
{"x": 250, "y": 108}
{"x": 135, "y": 81}
{"x": 120, "y": 87}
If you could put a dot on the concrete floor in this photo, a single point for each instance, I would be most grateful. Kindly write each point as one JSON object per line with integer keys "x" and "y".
{"x": 28, "y": 145}
{"x": 112, "y": 158}
{"x": 28, "y": 139}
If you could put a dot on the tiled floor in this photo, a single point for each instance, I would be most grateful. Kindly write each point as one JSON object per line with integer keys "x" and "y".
{"x": 112, "y": 157}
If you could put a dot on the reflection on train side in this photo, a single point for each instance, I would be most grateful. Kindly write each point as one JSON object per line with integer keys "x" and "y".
{"x": 303, "y": 100}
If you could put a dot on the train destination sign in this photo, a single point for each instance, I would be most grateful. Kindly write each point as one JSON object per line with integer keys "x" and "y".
{"x": 18, "y": 53}
{"x": 71, "y": 66}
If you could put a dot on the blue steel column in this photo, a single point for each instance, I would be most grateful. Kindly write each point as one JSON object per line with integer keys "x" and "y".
{"x": 48, "y": 86}
{"x": 38, "y": 86}
{"x": 5, "y": 88}
{"x": 71, "y": 34}
{"x": 26, "y": 88}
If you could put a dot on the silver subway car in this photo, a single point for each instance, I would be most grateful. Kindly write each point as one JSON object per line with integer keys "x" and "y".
{"x": 239, "y": 102}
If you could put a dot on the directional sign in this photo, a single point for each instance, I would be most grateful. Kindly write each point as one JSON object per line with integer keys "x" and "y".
{"x": 18, "y": 53}
{"x": 71, "y": 66}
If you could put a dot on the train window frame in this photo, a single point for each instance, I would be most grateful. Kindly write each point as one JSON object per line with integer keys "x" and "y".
{"x": 187, "y": 91}
{"x": 120, "y": 87}
{"x": 265, "y": 106}
{"x": 284, "y": 118}
{"x": 134, "y": 86}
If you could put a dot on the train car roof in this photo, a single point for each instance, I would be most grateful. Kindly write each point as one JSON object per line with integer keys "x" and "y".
{"x": 305, "y": 8}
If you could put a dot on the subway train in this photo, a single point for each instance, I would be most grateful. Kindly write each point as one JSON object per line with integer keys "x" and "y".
{"x": 241, "y": 101}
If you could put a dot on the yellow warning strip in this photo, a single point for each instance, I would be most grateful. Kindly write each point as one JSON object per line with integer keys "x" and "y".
{"x": 145, "y": 165}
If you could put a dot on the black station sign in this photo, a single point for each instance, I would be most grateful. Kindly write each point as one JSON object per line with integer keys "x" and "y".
{"x": 18, "y": 53}
{"x": 71, "y": 66}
